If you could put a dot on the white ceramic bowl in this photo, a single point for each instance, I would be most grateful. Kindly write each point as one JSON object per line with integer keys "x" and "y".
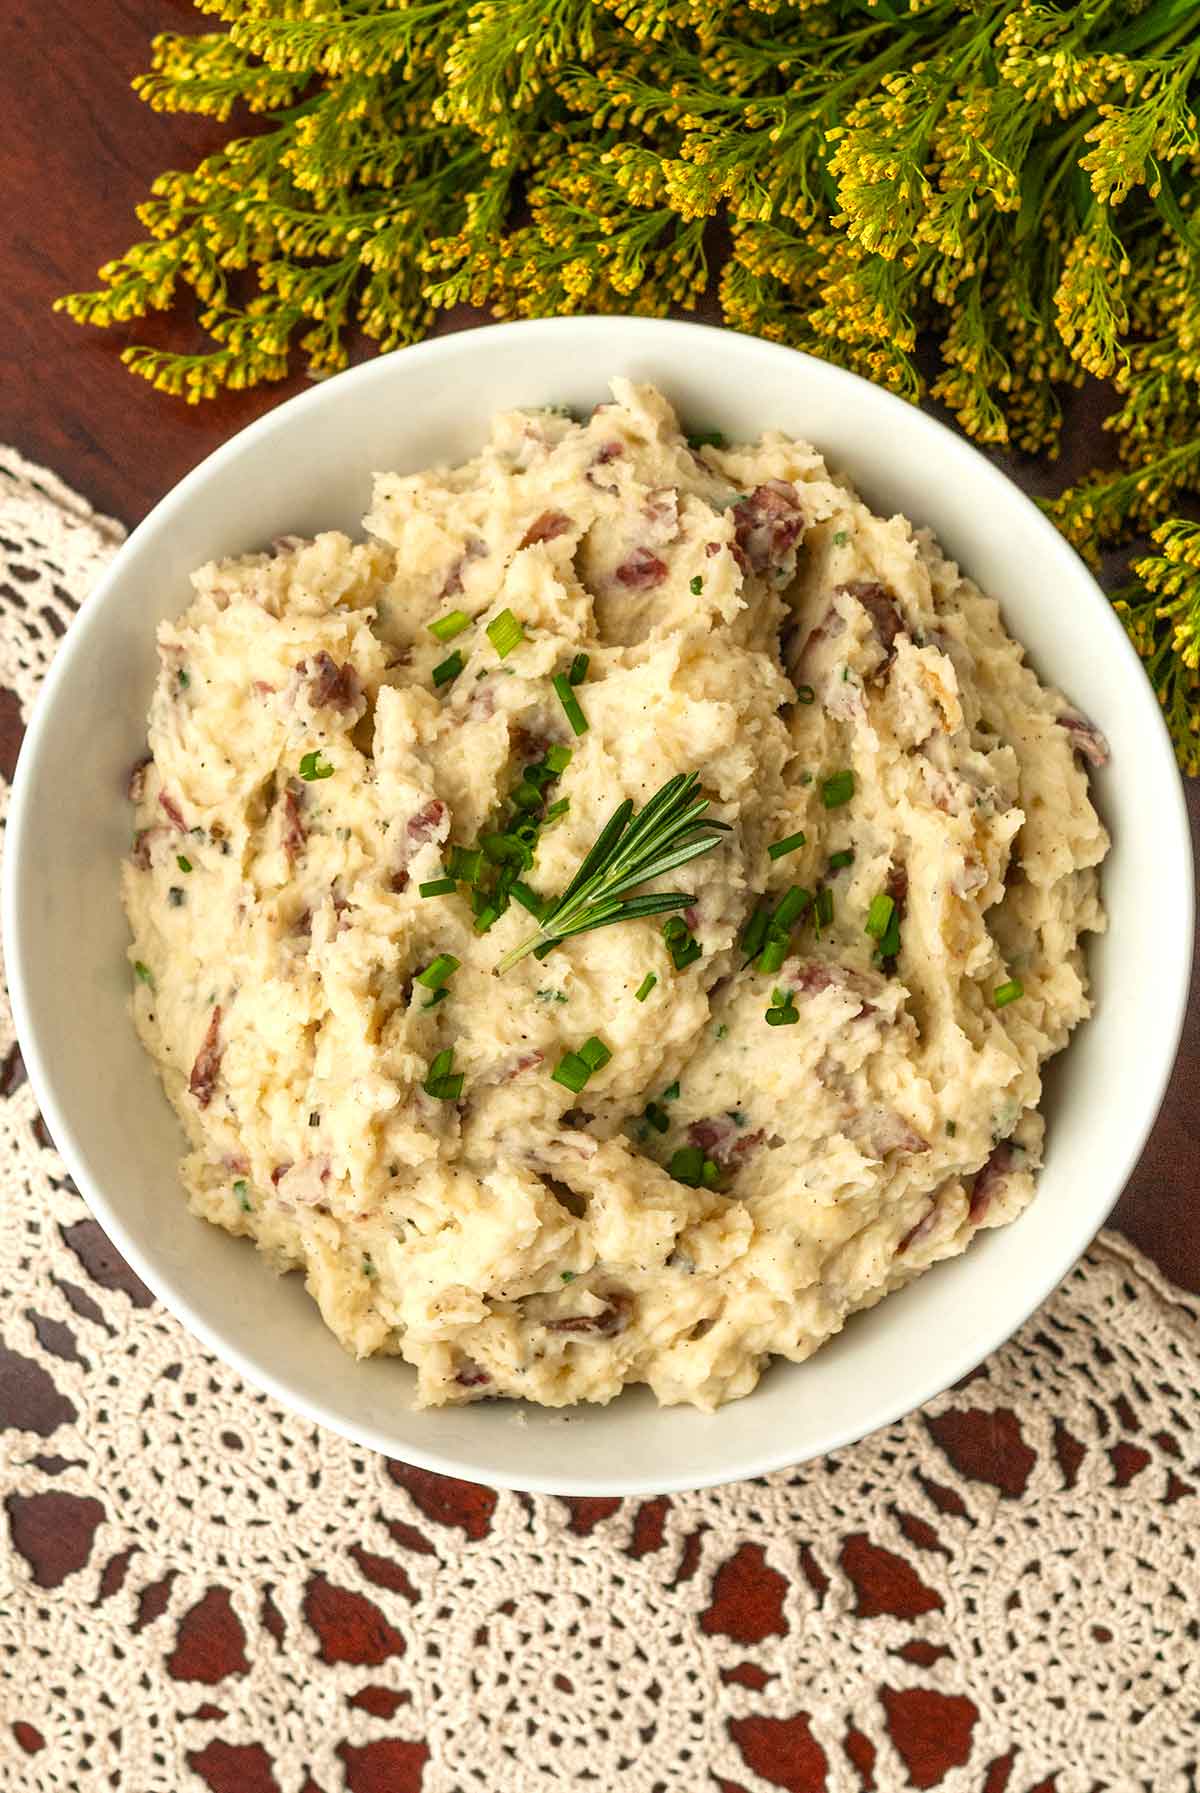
{"x": 306, "y": 466}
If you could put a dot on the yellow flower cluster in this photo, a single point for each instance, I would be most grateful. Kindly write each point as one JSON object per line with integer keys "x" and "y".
{"x": 978, "y": 200}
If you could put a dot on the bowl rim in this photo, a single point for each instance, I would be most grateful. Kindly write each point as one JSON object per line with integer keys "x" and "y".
{"x": 21, "y": 819}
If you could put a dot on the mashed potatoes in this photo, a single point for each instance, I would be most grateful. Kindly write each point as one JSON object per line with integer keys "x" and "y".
{"x": 766, "y": 1149}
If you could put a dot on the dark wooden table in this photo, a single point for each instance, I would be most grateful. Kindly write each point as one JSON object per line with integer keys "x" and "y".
{"x": 76, "y": 155}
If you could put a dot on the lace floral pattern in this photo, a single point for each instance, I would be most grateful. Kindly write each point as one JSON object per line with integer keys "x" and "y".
{"x": 198, "y": 1589}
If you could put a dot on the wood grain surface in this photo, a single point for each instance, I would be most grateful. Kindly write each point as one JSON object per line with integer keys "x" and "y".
{"x": 77, "y": 153}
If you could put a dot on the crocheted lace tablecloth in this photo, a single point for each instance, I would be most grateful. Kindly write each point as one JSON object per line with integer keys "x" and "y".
{"x": 198, "y": 1589}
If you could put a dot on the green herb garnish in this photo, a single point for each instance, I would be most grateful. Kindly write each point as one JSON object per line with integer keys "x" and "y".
{"x": 805, "y": 695}
{"x": 879, "y": 915}
{"x": 448, "y": 669}
{"x": 578, "y": 670}
{"x": 840, "y": 538}
{"x": 464, "y": 864}
{"x": 682, "y": 944}
{"x": 437, "y": 887}
{"x": 657, "y": 1117}
{"x": 789, "y": 844}
{"x": 314, "y": 765}
{"x": 570, "y": 704}
{"x": 438, "y": 971}
{"x": 559, "y": 758}
{"x": 837, "y": 789}
{"x": 185, "y": 865}
{"x": 696, "y": 585}
{"x": 689, "y": 1165}
{"x": 633, "y": 847}
{"x": 1003, "y": 994}
{"x": 240, "y": 1190}
{"x": 143, "y": 974}
{"x": 707, "y": 439}
{"x": 838, "y": 861}
{"x": 175, "y": 897}
{"x": 574, "y": 1068}
{"x": 444, "y": 1084}
{"x": 448, "y": 626}
{"x": 644, "y": 988}
{"x": 824, "y": 906}
{"x": 505, "y": 633}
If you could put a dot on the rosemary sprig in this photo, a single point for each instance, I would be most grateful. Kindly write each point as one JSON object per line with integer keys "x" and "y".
{"x": 630, "y": 850}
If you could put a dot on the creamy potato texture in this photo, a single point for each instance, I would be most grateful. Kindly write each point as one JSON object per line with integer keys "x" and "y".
{"x": 766, "y": 1150}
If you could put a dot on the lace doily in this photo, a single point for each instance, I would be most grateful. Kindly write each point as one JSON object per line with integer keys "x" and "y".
{"x": 198, "y": 1589}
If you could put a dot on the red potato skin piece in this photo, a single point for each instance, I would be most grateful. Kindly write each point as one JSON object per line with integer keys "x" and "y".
{"x": 207, "y": 1067}
{"x": 611, "y": 1319}
{"x": 988, "y": 1178}
{"x": 172, "y": 811}
{"x": 767, "y": 525}
{"x": 425, "y": 824}
{"x": 1086, "y": 739}
{"x": 330, "y": 686}
{"x": 545, "y": 528}
{"x": 641, "y": 570}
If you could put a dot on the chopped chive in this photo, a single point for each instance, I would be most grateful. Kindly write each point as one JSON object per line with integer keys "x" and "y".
{"x": 790, "y": 908}
{"x": 671, "y": 1093}
{"x": 183, "y": 678}
{"x": 465, "y": 863}
{"x": 710, "y": 1174}
{"x": 448, "y": 626}
{"x": 696, "y": 586}
{"x": 185, "y": 865}
{"x": 487, "y": 918}
{"x": 838, "y": 861}
{"x": 440, "y": 1083}
{"x": 657, "y": 1117}
{"x": 438, "y": 971}
{"x": 840, "y": 538}
{"x": 707, "y": 439}
{"x": 687, "y": 1166}
{"x": 805, "y": 694}
{"x": 175, "y": 897}
{"x": 837, "y": 789}
{"x": 315, "y": 765}
{"x": 570, "y": 704}
{"x": 567, "y": 1275}
{"x": 772, "y": 955}
{"x": 755, "y": 931}
{"x": 595, "y": 1054}
{"x": 527, "y": 796}
{"x": 1003, "y": 994}
{"x": 783, "y": 1015}
{"x": 572, "y": 1072}
{"x": 644, "y": 988}
{"x": 683, "y": 947}
{"x": 143, "y": 973}
{"x": 239, "y": 1189}
{"x": 889, "y": 946}
{"x": 506, "y": 849}
{"x": 437, "y": 887}
{"x": 824, "y": 906}
{"x": 438, "y": 996}
{"x": 879, "y": 915}
{"x": 528, "y": 899}
{"x": 505, "y": 633}
{"x": 578, "y": 670}
{"x": 789, "y": 844}
{"x": 951, "y": 1128}
{"x": 559, "y": 758}
{"x": 448, "y": 669}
